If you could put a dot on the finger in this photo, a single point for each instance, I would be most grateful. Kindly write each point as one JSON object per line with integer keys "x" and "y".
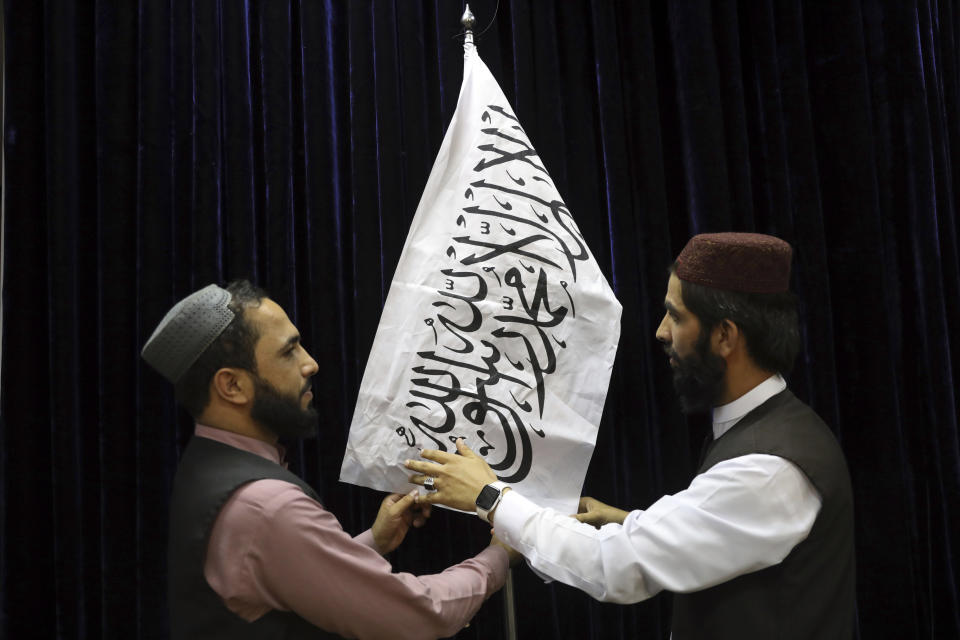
{"x": 422, "y": 510}
{"x": 429, "y": 498}
{"x": 591, "y": 519}
{"x": 393, "y": 497}
{"x": 417, "y": 478}
{"x": 427, "y": 468}
{"x": 437, "y": 456}
{"x": 421, "y": 513}
{"x": 584, "y": 504}
{"x": 464, "y": 450}
{"x": 403, "y": 503}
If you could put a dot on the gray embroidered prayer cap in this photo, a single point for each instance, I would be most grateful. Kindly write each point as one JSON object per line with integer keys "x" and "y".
{"x": 187, "y": 330}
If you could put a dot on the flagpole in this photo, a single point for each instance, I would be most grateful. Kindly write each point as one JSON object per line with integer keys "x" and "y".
{"x": 510, "y": 619}
{"x": 468, "y": 21}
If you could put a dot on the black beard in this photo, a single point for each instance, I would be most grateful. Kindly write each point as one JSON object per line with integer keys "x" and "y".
{"x": 698, "y": 378}
{"x": 281, "y": 413}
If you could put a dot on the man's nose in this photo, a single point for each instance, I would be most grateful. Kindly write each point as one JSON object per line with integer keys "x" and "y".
{"x": 663, "y": 334}
{"x": 310, "y": 367}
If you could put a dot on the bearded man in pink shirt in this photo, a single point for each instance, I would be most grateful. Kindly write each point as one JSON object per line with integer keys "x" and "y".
{"x": 252, "y": 552}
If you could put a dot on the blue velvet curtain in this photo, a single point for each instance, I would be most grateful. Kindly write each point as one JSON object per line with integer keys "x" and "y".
{"x": 152, "y": 147}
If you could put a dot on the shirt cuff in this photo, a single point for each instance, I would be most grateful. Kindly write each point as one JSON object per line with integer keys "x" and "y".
{"x": 366, "y": 538}
{"x": 512, "y": 514}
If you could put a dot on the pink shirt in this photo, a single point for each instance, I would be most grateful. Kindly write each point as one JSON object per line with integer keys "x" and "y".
{"x": 273, "y": 547}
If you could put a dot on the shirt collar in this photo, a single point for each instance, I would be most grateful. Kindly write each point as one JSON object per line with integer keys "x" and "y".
{"x": 727, "y": 415}
{"x": 246, "y": 443}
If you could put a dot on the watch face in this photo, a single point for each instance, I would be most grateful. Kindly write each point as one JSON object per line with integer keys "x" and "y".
{"x": 487, "y": 497}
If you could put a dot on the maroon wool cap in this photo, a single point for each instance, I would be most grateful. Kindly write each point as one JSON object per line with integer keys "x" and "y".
{"x": 745, "y": 262}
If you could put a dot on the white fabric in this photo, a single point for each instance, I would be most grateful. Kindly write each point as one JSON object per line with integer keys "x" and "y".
{"x": 499, "y": 326}
{"x": 742, "y": 515}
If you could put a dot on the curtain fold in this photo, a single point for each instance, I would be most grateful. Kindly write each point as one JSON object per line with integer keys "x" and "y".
{"x": 154, "y": 147}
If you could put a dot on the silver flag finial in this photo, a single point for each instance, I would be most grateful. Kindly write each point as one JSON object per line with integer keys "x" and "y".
{"x": 468, "y": 21}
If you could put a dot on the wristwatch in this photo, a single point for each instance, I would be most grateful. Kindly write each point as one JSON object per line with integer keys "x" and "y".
{"x": 489, "y": 498}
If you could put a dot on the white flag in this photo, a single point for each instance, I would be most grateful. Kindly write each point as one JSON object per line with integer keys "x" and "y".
{"x": 499, "y": 326}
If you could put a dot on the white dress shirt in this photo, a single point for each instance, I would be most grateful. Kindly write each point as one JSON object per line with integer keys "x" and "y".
{"x": 741, "y": 515}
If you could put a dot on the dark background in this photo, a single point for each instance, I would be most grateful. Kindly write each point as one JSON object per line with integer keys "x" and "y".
{"x": 153, "y": 147}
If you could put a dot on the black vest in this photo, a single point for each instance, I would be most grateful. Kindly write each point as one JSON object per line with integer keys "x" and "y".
{"x": 811, "y": 593}
{"x": 209, "y": 473}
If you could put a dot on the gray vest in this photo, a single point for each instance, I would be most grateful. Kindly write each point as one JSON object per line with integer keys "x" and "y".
{"x": 208, "y": 474}
{"x": 811, "y": 593}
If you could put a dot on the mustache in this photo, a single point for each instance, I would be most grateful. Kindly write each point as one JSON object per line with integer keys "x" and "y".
{"x": 306, "y": 388}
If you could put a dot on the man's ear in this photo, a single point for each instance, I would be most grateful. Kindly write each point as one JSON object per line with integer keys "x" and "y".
{"x": 726, "y": 338}
{"x": 232, "y": 385}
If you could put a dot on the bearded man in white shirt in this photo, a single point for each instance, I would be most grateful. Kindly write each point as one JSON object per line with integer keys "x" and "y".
{"x": 760, "y": 545}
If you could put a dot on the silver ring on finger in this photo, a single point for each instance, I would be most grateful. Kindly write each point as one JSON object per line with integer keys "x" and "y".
{"x": 428, "y": 484}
